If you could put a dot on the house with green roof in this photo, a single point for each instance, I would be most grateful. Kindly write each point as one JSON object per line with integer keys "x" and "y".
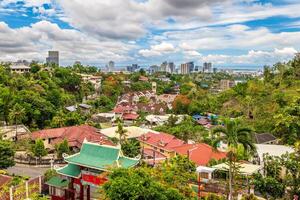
{"x": 87, "y": 170}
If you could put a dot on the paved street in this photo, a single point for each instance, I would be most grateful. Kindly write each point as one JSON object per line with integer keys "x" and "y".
{"x": 22, "y": 170}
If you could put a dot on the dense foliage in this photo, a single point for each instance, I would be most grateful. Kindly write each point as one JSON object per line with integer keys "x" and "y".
{"x": 168, "y": 181}
{"x": 36, "y": 98}
{"x": 6, "y": 154}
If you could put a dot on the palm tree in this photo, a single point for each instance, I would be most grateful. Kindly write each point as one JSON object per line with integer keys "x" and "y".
{"x": 17, "y": 114}
{"x": 121, "y": 132}
{"x": 233, "y": 134}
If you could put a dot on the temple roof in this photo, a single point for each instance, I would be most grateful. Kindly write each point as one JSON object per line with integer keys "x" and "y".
{"x": 70, "y": 170}
{"x": 58, "y": 182}
{"x": 100, "y": 157}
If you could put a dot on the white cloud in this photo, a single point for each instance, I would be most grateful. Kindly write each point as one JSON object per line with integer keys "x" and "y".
{"x": 257, "y": 57}
{"x": 158, "y": 50}
{"x": 33, "y": 43}
{"x": 238, "y": 37}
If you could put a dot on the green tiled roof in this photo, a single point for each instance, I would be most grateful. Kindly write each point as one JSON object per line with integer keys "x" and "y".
{"x": 70, "y": 170}
{"x": 100, "y": 157}
{"x": 58, "y": 182}
{"x": 127, "y": 162}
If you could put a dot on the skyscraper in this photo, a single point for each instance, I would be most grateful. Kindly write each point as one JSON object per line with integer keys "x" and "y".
{"x": 170, "y": 67}
{"x": 207, "y": 67}
{"x": 187, "y": 68}
{"x": 111, "y": 66}
{"x": 53, "y": 57}
{"x": 163, "y": 66}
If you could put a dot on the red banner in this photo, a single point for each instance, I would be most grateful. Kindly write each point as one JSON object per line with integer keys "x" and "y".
{"x": 96, "y": 180}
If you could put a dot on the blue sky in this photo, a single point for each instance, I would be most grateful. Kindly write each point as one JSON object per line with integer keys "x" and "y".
{"x": 224, "y": 32}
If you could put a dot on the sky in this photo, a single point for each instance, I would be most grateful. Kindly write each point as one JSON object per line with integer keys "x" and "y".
{"x": 249, "y": 33}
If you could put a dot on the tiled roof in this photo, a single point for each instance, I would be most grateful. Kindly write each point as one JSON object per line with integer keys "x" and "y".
{"x": 70, "y": 170}
{"x": 58, "y": 182}
{"x": 122, "y": 109}
{"x": 130, "y": 116}
{"x": 4, "y": 179}
{"x": 161, "y": 140}
{"x": 101, "y": 157}
{"x": 261, "y": 138}
{"x": 201, "y": 153}
{"x": 75, "y": 135}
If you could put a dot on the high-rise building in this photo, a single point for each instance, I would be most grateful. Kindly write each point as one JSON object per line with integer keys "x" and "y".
{"x": 215, "y": 70}
{"x": 163, "y": 66}
{"x": 187, "y": 68}
{"x": 170, "y": 67}
{"x": 197, "y": 68}
{"x": 111, "y": 66}
{"x": 153, "y": 69}
{"x": 53, "y": 57}
{"x": 133, "y": 68}
{"x": 207, "y": 67}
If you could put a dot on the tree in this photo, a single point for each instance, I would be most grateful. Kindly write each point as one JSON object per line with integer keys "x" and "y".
{"x": 176, "y": 173}
{"x": 181, "y": 104}
{"x": 137, "y": 184}
{"x": 17, "y": 114}
{"x": 233, "y": 134}
{"x": 121, "y": 133}
{"x": 131, "y": 148}
{"x": 49, "y": 174}
{"x": 38, "y": 149}
{"x": 62, "y": 148}
{"x": 7, "y": 154}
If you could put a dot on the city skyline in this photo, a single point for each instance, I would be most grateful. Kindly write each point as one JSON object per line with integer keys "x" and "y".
{"x": 146, "y": 32}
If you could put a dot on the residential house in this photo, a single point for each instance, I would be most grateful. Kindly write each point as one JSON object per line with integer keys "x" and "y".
{"x": 143, "y": 78}
{"x": 157, "y": 147}
{"x": 129, "y": 118}
{"x": 75, "y": 136}
{"x": 200, "y": 154}
{"x": 272, "y": 150}
{"x": 84, "y": 108}
{"x": 265, "y": 138}
{"x": 14, "y": 132}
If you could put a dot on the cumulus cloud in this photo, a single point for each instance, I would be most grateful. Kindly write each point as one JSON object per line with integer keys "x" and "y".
{"x": 158, "y": 50}
{"x": 239, "y": 37}
{"x": 33, "y": 43}
{"x": 148, "y": 29}
{"x": 257, "y": 57}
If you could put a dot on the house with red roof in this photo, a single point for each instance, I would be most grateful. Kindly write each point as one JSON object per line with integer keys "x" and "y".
{"x": 157, "y": 147}
{"x": 143, "y": 78}
{"x": 75, "y": 135}
{"x": 200, "y": 153}
{"x": 129, "y": 118}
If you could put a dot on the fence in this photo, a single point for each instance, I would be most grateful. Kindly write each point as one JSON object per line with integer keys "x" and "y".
{"x": 24, "y": 190}
{"x": 36, "y": 161}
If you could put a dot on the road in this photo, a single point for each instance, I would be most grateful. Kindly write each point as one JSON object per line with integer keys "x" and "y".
{"x": 30, "y": 171}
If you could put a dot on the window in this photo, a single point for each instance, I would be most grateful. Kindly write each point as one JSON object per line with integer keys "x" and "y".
{"x": 162, "y": 151}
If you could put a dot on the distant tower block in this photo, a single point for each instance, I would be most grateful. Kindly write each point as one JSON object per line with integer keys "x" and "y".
{"x": 154, "y": 86}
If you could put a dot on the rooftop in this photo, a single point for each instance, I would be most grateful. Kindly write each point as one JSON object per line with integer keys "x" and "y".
{"x": 261, "y": 138}
{"x": 101, "y": 157}
{"x": 244, "y": 168}
{"x": 75, "y": 135}
{"x": 161, "y": 140}
{"x": 201, "y": 153}
{"x": 132, "y": 132}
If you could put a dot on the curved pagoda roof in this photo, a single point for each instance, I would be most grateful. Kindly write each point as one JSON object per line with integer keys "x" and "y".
{"x": 99, "y": 157}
